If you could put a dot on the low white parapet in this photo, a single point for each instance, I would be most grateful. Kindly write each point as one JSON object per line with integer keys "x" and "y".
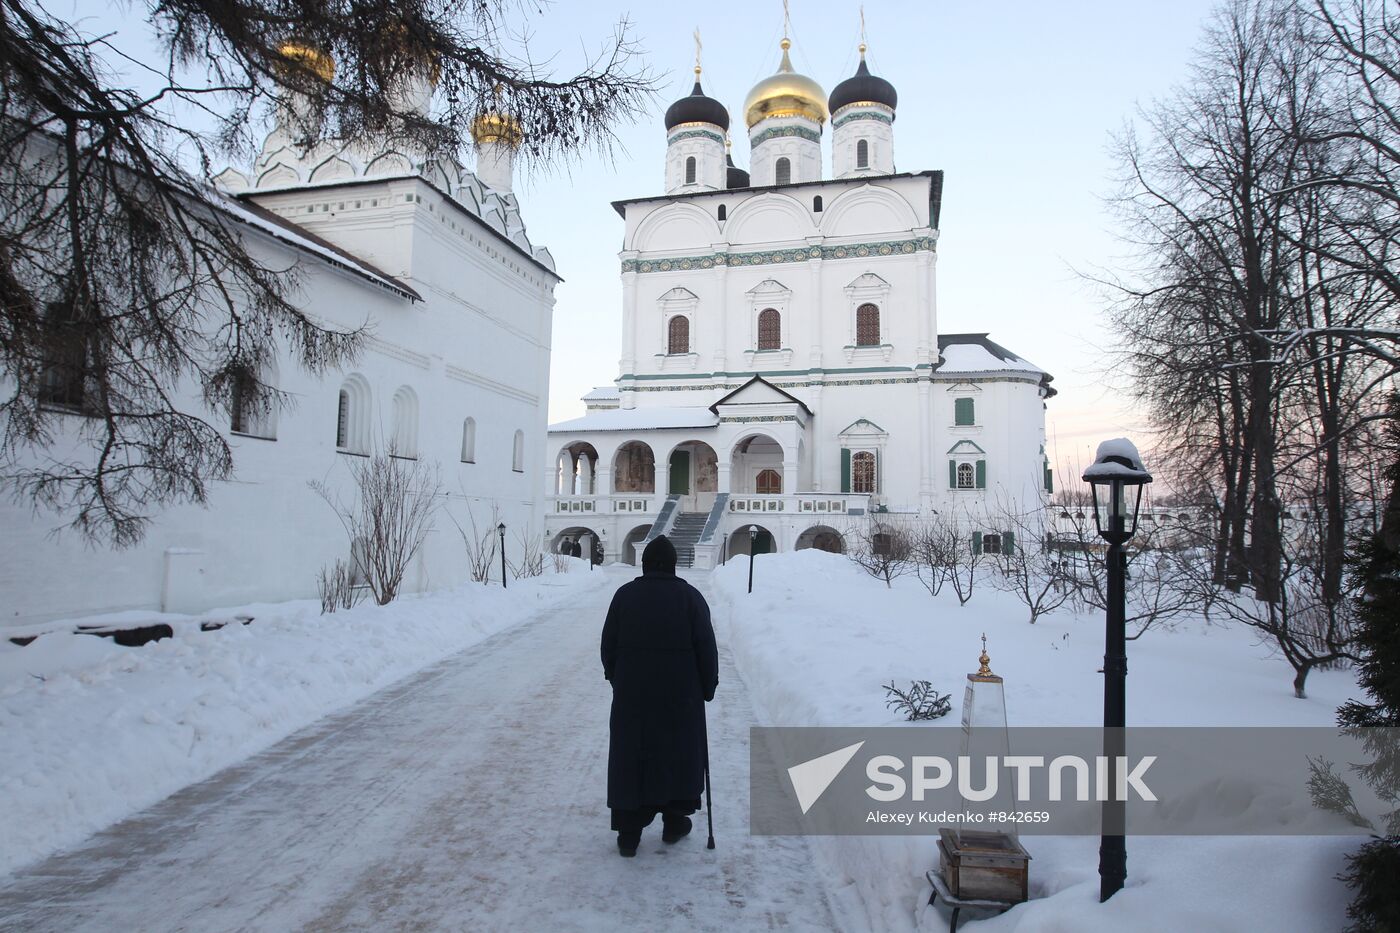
{"x": 814, "y": 503}
{"x": 622, "y": 502}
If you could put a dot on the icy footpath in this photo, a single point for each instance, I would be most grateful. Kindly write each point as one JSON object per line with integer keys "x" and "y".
{"x": 93, "y": 732}
{"x": 818, "y": 637}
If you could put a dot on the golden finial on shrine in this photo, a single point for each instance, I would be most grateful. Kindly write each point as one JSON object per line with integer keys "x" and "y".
{"x": 984, "y": 670}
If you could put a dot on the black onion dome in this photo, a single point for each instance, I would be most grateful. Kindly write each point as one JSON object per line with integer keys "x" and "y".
{"x": 736, "y": 177}
{"x": 697, "y": 108}
{"x": 862, "y": 87}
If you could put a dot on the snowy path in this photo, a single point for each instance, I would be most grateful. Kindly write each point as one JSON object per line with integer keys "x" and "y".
{"x": 467, "y": 797}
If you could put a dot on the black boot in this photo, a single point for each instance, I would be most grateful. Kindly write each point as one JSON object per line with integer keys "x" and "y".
{"x": 627, "y": 844}
{"x": 675, "y": 829}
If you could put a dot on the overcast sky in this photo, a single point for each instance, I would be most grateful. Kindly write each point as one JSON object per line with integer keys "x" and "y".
{"x": 1016, "y": 102}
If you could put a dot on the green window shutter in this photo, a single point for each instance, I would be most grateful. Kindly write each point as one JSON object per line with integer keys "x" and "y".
{"x": 977, "y": 542}
{"x": 879, "y": 475}
{"x": 962, "y": 411}
{"x": 952, "y": 474}
{"x": 845, "y": 469}
{"x": 1008, "y": 543}
{"x": 981, "y": 474}
{"x": 1049, "y": 480}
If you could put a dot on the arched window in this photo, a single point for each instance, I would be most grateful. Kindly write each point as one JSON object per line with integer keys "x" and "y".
{"x": 867, "y": 326}
{"x": 967, "y": 476}
{"x": 863, "y": 472}
{"x": 405, "y": 435}
{"x": 862, "y": 154}
{"x": 770, "y": 328}
{"x": 678, "y": 334}
{"x": 68, "y": 354}
{"x": 254, "y": 403}
{"x": 769, "y": 483}
{"x": 817, "y": 204}
{"x": 690, "y": 170}
{"x": 517, "y": 456}
{"x": 469, "y": 440}
{"x": 352, "y": 415}
{"x": 782, "y": 172}
{"x": 723, "y": 212}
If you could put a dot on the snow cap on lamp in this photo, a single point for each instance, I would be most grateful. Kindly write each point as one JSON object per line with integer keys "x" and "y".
{"x": 1117, "y": 459}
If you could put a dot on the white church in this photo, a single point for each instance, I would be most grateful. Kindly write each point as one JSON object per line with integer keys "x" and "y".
{"x": 783, "y": 378}
{"x": 459, "y": 303}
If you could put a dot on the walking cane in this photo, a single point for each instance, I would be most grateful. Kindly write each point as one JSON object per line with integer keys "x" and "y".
{"x": 709, "y": 802}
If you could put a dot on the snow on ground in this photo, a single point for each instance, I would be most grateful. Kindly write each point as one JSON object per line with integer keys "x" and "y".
{"x": 818, "y": 637}
{"x": 94, "y": 732}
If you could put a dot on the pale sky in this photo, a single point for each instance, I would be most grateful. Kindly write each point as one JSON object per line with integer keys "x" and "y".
{"x": 1015, "y": 101}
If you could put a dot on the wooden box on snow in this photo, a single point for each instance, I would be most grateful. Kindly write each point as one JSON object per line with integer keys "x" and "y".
{"x": 987, "y": 866}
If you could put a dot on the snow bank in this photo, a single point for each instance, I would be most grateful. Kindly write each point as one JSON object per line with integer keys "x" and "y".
{"x": 818, "y": 637}
{"x": 94, "y": 732}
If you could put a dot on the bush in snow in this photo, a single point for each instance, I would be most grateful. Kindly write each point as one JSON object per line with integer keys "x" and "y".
{"x": 389, "y": 519}
{"x": 531, "y": 563}
{"x": 338, "y": 588}
{"x": 881, "y": 548}
{"x": 480, "y": 545}
{"x": 920, "y": 702}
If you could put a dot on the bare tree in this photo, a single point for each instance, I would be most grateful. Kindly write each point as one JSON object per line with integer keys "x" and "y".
{"x": 964, "y": 556}
{"x": 1168, "y": 579}
{"x": 932, "y": 545}
{"x": 1305, "y": 626}
{"x": 125, "y": 279}
{"x": 337, "y": 588}
{"x": 1027, "y": 567}
{"x": 881, "y": 548}
{"x": 531, "y": 563}
{"x": 389, "y": 518}
{"x": 480, "y": 545}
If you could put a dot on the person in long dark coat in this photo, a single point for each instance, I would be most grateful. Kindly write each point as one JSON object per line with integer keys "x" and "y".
{"x": 659, "y": 654}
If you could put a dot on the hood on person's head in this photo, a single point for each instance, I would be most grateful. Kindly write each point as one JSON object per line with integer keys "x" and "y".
{"x": 659, "y": 556}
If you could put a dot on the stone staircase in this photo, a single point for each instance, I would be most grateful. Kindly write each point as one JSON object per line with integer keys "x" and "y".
{"x": 685, "y": 532}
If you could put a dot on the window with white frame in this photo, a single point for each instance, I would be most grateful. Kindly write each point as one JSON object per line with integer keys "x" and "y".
{"x": 868, "y": 325}
{"x": 469, "y": 440}
{"x": 678, "y": 335}
{"x": 405, "y": 425}
{"x": 253, "y": 403}
{"x": 353, "y": 415}
{"x": 770, "y": 329}
{"x": 862, "y": 154}
{"x": 690, "y": 170}
{"x": 967, "y": 475}
{"x": 782, "y": 172}
{"x": 864, "y": 477}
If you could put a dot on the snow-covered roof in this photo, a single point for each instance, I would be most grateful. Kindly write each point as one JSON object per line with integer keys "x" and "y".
{"x": 602, "y": 394}
{"x": 638, "y": 419}
{"x": 299, "y": 237}
{"x": 975, "y": 353}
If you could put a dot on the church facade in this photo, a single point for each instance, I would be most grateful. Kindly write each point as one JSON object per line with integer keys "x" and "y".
{"x": 434, "y": 260}
{"x": 783, "y": 379}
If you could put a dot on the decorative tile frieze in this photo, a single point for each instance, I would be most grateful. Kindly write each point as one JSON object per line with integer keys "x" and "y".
{"x": 781, "y": 256}
{"x": 861, "y": 115}
{"x": 778, "y": 132}
{"x": 694, "y": 134}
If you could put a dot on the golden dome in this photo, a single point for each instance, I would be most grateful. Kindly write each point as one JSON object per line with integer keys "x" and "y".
{"x": 312, "y": 59}
{"x": 785, "y": 94}
{"x": 497, "y": 128}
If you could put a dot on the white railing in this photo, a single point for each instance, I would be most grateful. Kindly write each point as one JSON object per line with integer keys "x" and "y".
{"x": 619, "y": 502}
{"x": 811, "y": 503}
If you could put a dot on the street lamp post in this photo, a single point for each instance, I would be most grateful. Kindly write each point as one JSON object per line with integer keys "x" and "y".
{"x": 501, "y": 530}
{"x": 753, "y": 542}
{"x": 1116, "y": 467}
